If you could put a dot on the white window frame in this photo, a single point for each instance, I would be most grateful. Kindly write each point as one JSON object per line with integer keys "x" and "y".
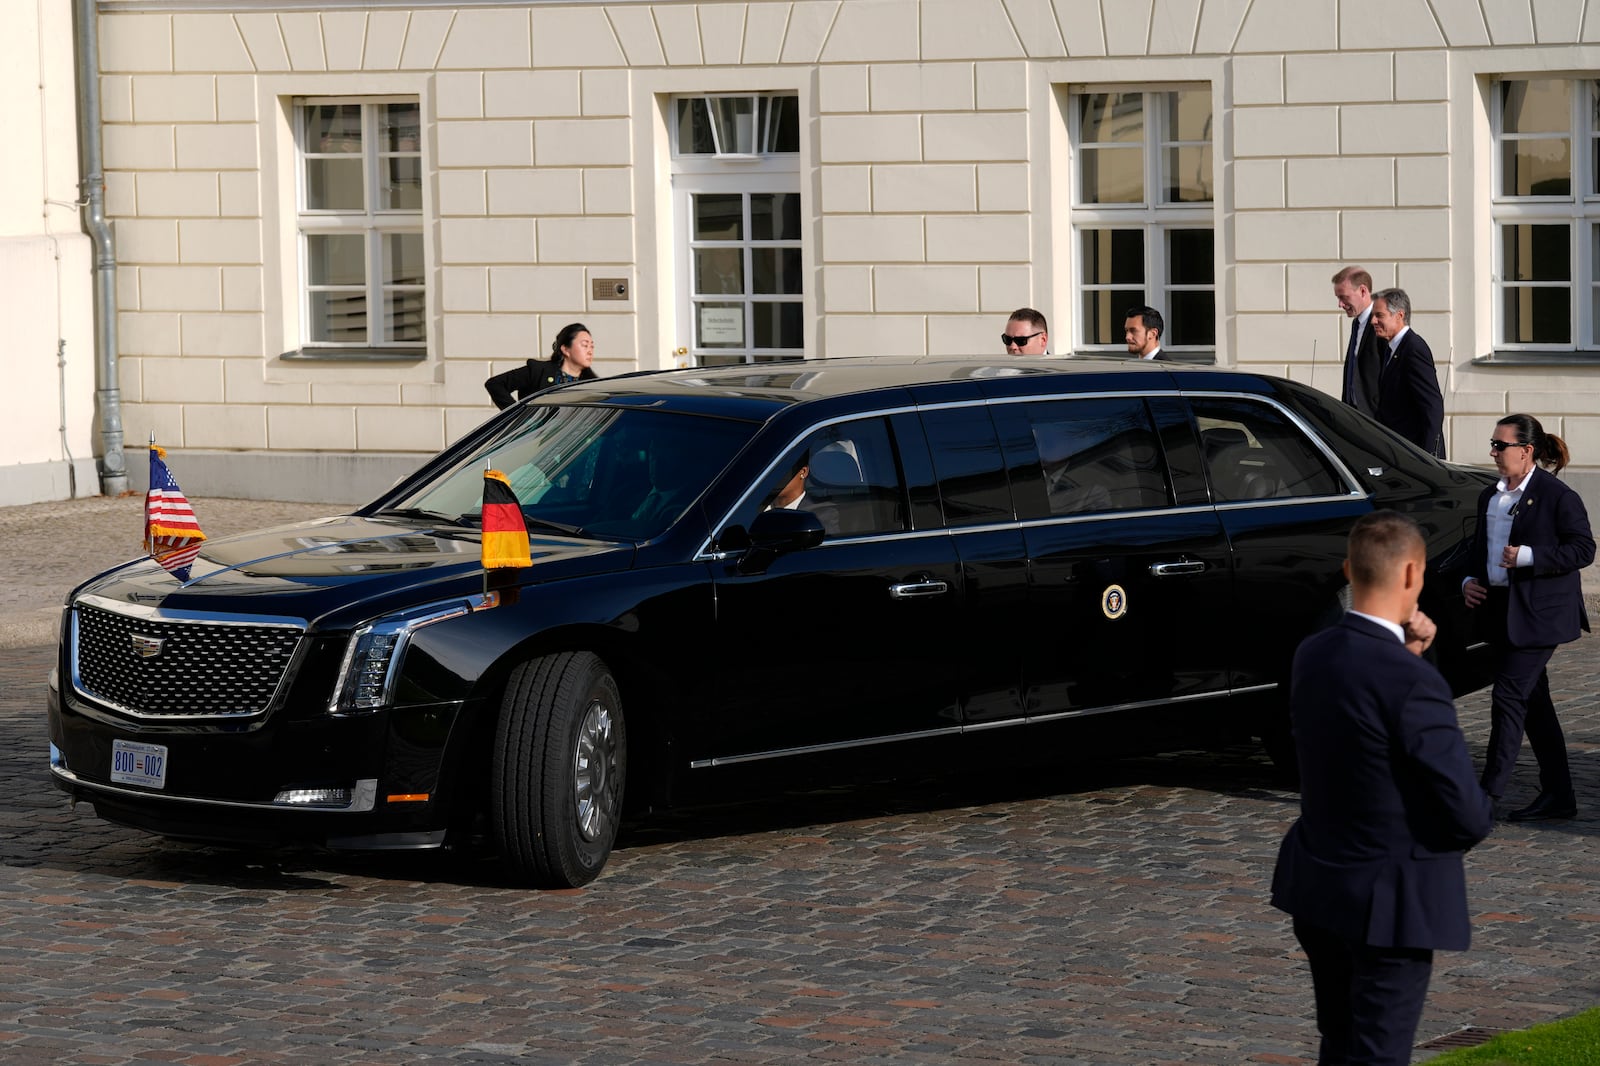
{"x": 372, "y": 222}
{"x": 1154, "y": 218}
{"x": 729, "y": 173}
{"x": 1579, "y": 211}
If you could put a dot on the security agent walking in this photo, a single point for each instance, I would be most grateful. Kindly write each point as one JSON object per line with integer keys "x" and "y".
{"x": 1372, "y": 871}
{"x": 1533, "y": 538}
{"x": 571, "y": 359}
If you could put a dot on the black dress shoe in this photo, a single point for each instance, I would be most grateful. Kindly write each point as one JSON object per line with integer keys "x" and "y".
{"x": 1545, "y": 806}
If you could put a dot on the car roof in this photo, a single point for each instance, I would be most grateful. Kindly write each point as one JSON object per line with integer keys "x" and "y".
{"x": 758, "y": 391}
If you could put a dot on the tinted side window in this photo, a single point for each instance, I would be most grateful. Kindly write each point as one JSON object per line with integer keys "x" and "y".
{"x": 847, "y": 476}
{"x": 1253, "y": 452}
{"x": 970, "y": 465}
{"x": 1098, "y": 455}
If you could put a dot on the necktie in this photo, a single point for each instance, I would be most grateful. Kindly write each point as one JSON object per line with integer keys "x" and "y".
{"x": 1355, "y": 333}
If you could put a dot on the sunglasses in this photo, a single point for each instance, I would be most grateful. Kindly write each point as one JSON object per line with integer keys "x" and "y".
{"x": 1008, "y": 340}
{"x": 1502, "y": 445}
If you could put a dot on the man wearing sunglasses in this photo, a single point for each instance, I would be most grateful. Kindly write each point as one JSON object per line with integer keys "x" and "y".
{"x": 1027, "y": 333}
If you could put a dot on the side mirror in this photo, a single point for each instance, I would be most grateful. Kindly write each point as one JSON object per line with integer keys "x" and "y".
{"x": 778, "y": 531}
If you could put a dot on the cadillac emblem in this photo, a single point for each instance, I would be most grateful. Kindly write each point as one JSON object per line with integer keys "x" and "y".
{"x": 145, "y": 647}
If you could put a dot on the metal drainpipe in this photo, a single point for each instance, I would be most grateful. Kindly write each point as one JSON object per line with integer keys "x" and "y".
{"x": 92, "y": 192}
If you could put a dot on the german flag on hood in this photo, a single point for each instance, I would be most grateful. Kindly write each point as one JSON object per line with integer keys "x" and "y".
{"x": 505, "y": 534}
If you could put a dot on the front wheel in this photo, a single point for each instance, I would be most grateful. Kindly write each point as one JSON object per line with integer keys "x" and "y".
{"x": 560, "y": 760}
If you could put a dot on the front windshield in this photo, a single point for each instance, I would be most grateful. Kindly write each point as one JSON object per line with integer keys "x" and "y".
{"x": 602, "y": 471}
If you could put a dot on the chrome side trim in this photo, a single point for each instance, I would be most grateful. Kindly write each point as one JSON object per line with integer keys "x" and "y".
{"x": 363, "y": 798}
{"x": 1133, "y": 706}
{"x": 1286, "y": 501}
{"x": 811, "y": 749}
{"x": 955, "y": 730}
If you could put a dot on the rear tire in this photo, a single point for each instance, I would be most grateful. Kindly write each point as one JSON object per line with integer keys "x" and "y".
{"x": 559, "y": 766}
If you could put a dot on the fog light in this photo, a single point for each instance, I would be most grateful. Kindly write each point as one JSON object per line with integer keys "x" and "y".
{"x": 360, "y": 796}
{"x": 314, "y": 797}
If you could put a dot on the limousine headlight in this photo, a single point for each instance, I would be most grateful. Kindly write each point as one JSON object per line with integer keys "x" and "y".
{"x": 372, "y": 660}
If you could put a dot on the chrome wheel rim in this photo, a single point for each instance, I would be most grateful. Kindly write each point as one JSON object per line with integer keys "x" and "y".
{"x": 594, "y": 772}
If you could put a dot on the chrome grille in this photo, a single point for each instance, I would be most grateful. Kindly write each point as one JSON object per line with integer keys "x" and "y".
{"x": 154, "y": 664}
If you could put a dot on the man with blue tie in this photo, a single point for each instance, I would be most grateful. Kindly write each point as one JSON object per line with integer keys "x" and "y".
{"x": 1352, "y": 288}
{"x": 1372, "y": 870}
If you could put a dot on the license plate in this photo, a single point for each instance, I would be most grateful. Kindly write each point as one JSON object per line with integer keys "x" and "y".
{"x": 139, "y": 764}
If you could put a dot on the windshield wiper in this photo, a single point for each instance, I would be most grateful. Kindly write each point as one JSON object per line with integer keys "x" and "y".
{"x": 559, "y": 527}
{"x": 424, "y": 513}
{"x": 532, "y": 522}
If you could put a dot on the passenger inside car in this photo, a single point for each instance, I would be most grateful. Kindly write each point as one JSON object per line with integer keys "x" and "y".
{"x": 791, "y": 495}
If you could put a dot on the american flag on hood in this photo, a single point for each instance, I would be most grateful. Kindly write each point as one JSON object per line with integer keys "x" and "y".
{"x": 171, "y": 532}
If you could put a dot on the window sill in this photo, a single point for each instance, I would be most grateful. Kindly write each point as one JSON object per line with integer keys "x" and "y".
{"x": 355, "y": 355}
{"x": 1535, "y": 358}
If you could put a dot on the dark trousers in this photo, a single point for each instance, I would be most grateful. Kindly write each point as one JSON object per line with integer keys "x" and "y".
{"x": 1369, "y": 999}
{"x": 1520, "y": 704}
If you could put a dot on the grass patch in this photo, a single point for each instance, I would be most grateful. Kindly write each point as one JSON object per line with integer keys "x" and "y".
{"x": 1572, "y": 1041}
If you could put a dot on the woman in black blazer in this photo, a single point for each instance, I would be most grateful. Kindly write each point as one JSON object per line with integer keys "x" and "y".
{"x": 1533, "y": 538}
{"x": 571, "y": 359}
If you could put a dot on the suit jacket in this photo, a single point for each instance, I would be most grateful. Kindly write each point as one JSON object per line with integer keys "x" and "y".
{"x": 1361, "y": 372}
{"x": 1389, "y": 800}
{"x": 1545, "y": 607}
{"x": 535, "y": 375}
{"x": 1409, "y": 401}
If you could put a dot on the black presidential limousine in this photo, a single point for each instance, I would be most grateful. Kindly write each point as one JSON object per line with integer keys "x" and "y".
{"x": 820, "y": 563}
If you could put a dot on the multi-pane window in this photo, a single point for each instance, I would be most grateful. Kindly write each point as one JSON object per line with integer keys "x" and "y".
{"x": 736, "y": 181}
{"x": 745, "y": 248}
{"x": 1142, "y": 215}
{"x": 360, "y": 226}
{"x": 1547, "y": 214}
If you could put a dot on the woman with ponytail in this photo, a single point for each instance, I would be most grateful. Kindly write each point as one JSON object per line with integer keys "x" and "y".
{"x": 571, "y": 359}
{"x": 1533, "y": 538}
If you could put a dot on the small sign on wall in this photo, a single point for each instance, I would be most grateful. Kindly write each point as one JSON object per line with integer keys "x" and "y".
{"x": 721, "y": 325}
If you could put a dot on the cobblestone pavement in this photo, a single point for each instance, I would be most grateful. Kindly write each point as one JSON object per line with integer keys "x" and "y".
{"x": 1099, "y": 917}
{"x": 1116, "y": 916}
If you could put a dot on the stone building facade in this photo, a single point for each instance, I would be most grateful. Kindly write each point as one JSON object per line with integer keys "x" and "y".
{"x": 333, "y": 221}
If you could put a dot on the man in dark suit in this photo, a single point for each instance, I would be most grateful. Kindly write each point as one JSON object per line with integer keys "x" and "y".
{"x": 1533, "y": 538}
{"x": 1409, "y": 401}
{"x": 1142, "y": 330}
{"x": 1372, "y": 870}
{"x": 1352, "y": 288}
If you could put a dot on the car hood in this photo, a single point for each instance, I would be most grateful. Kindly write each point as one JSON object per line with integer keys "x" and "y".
{"x": 357, "y": 563}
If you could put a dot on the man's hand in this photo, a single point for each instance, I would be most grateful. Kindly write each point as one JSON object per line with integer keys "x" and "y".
{"x": 1508, "y": 557}
{"x": 1473, "y": 592}
{"x": 1420, "y": 631}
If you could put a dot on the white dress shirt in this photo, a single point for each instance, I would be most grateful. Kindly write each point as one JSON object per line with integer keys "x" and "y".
{"x": 1501, "y": 510}
{"x": 1361, "y": 329}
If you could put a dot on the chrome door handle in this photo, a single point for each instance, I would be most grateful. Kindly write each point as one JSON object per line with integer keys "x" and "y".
{"x": 1169, "y": 569}
{"x": 912, "y": 589}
